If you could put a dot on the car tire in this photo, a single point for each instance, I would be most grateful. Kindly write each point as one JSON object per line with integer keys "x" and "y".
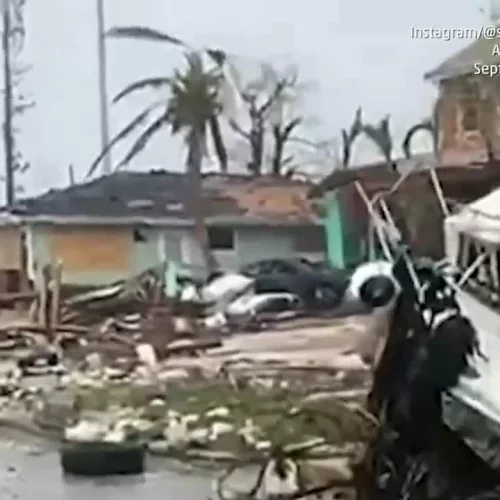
{"x": 327, "y": 296}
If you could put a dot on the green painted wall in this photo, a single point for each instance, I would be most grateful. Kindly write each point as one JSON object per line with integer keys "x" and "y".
{"x": 334, "y": 230}
{"x": 343, "y": 244}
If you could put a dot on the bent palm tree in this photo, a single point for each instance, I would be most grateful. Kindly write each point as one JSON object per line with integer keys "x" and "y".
{"x": 193, "y": 107}
{"x": 380, "y": 134}
{"x": 349, "y": 136}
{"x": 430, "y": 125}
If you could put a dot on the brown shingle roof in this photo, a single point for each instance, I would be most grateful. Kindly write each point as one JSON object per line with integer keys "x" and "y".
{"x": 163, "y": 194}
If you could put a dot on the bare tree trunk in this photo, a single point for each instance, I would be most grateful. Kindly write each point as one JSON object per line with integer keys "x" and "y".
{"x": 195, "y": 157}
{"x": 7, "y": 126}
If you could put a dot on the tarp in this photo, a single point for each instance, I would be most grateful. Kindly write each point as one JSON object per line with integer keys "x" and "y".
{"x": 480, "y": 219}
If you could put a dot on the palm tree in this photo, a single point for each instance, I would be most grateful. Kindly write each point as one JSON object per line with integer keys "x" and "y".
{"x": 192, "y": 107}
{"x": 192, "y": 110}
{"x": 430, "y": 125}
{"x": 380, "y": 134}
{"x": 349, "y": 136}
{"x": 159, "y": 108}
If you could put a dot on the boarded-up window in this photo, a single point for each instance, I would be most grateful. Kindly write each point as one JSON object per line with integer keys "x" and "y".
{"x": 93, "y": 249}
{"x": 10, "y": 248}
{"x": 309, "y": 239}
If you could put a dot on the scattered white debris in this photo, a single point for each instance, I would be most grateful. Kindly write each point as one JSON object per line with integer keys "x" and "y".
{"x": 158, "y": 403}
{"x": 215, "y": 321}
{"x": 190, "y": 294}
{"x": 219, "y": 428}
{"x": 181, "y": 325}
{"x": 274, "y": 485}
{"x": 249, "y": 432}
{"x": 176, "y": 433}
{"x": 190, "y": 418}
{"x": 84, "y": 431}
{"x": 199, "y": 435}
{"x": 173, "y": 374}
{"x": 252, "y": 304}
{"x": 93, "y": 362}
{"x": 114, "y": 436}
{"x": 219, "y": 412}
{"x": 226, "y": 287}
{"x": 147, "y": 356}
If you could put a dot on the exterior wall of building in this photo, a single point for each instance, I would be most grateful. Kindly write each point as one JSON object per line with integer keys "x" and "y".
{"x": 458, "y": 145}
{"x": 95, "y": 256}
{"x": 10, "y": 248}
{"x": 255, "y": 243}
{"x": 87, "y": 266}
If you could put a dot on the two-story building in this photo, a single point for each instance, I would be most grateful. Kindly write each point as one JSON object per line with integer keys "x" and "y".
{"x": 468, "y": 103}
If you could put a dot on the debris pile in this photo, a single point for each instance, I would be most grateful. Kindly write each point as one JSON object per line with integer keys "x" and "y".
{"x": 237, "y": 410}
{"x": 122, "y": 314}
{"x": 245, "y": 414}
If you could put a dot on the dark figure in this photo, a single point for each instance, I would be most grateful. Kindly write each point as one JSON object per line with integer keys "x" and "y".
{"x": 416, "y": 456}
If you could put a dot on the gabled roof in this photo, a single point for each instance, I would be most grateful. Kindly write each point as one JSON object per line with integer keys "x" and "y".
{"x": 462, "y": 63}
{"x": 164, "y": 197}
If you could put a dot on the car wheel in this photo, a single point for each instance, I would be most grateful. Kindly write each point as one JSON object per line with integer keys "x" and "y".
{"x": 327, "y": 296}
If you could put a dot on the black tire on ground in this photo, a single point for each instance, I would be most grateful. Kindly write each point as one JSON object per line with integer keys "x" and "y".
{"x": 102, "y": 459}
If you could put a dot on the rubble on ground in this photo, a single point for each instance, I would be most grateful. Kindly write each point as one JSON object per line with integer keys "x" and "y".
{"x": 126, "y": 362}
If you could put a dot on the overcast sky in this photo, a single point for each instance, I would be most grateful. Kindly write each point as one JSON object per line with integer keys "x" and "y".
{"x": 357, "y": 52}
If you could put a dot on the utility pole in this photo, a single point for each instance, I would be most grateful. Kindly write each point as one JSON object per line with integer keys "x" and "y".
{"x": 103, "y": 91}
{"x": 7, "y": 125}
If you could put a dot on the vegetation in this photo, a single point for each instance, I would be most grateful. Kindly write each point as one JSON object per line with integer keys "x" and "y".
{"x": 349, "y": 136}
{"x": 20, "y": 102}
{"x": 268, "y": 100}
{"x": 430, "y": 125}
{"x": 192, "y": 108}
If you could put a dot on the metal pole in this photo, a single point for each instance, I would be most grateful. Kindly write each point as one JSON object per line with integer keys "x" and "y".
{"x": 7, "y": 125}
{"x": 103, "y": 92}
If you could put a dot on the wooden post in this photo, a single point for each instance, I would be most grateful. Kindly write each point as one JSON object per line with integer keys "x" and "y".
{"x": 44, "y": 297}
{"x": 56, "y": 295}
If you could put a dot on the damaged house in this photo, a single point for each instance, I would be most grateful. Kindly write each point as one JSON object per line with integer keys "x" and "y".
{"x": 119, "y": 225}
{"x": 468, "y": 103}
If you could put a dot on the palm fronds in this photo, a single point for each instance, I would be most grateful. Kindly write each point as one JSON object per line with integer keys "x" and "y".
{"x": 143, "y": 140}
{"x": 380, "y": 134}
{"x": 430, "y": 125}
{"x": 154, "y": 83}
{"x": 143, "y": 33}
{"x": 426, "y": 125}
{"x": 140, "y": 119}
{"x": 349, "y": 136}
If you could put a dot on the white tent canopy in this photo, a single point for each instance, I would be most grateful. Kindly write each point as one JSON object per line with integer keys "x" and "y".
{"x": 480, "y": 219}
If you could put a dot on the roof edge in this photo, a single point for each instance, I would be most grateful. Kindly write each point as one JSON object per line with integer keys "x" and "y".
{"x": 159, "y": 221}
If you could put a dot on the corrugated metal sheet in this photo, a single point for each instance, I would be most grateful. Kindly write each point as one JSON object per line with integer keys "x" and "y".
{"x": 93, "y": 249}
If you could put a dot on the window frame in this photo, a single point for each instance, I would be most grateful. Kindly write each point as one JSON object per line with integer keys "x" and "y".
{"x": 221, "y": 247}
{"x": 469, "y": 102}
{"x": 484, "y": 282}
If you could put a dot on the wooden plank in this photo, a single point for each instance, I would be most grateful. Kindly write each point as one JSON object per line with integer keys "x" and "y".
{"x": 93, "y": 249}
{"x": 10, "y": 248}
